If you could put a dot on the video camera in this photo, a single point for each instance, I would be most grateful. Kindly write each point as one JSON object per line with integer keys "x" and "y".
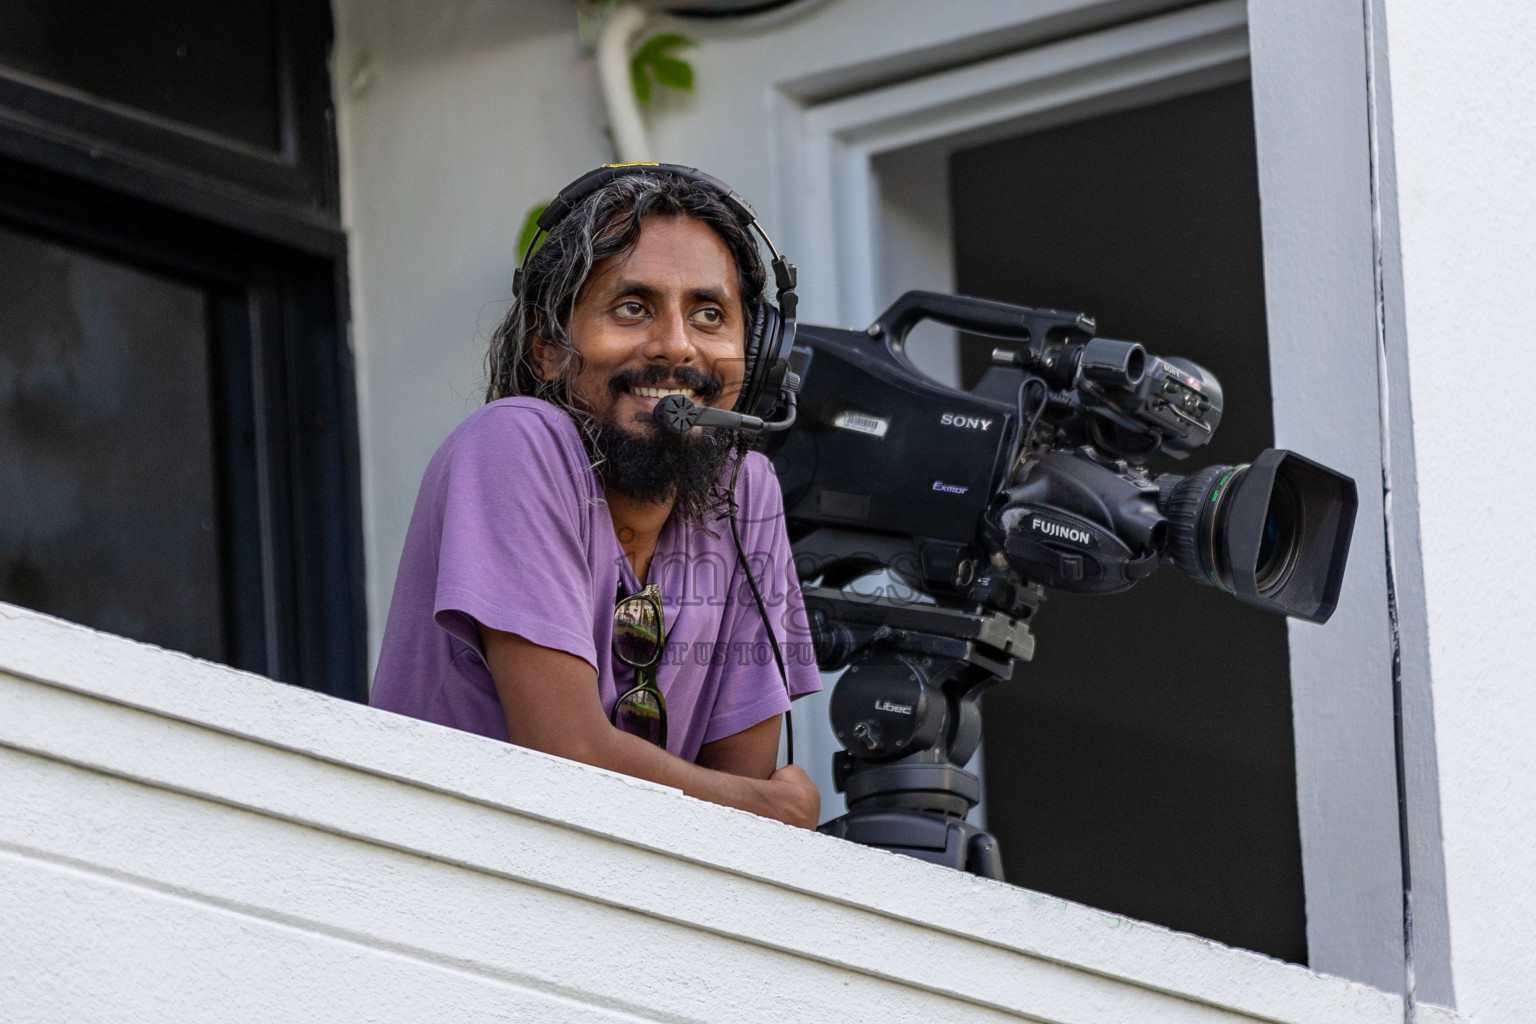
{"x": 979, "y": 500}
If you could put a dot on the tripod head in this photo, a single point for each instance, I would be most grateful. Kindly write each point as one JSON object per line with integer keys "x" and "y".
{"x": 907, "y": 713}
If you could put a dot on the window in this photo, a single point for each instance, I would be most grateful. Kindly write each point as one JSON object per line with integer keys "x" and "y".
{"x": 177, "y": 433}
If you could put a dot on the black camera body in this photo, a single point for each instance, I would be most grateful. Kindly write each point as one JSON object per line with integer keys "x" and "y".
{"x": 886, "y": 468}
{"x": 980, "y": 500}
{"x": 1038, "y": 474}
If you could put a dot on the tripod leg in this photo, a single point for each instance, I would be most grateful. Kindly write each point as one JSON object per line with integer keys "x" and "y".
{"x": 935, "y": 838}
{"x": 982, "y": 856}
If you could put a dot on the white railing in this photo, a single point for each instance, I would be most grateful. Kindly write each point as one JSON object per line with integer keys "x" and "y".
{"x": 183, "y": 842}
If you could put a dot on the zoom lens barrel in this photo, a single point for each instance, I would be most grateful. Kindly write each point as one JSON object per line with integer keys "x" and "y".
{"x": 1274, "y": 533}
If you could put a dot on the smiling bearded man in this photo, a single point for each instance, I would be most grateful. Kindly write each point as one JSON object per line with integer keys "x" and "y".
{"x": 640, "y": 461}
{"x": 568, "y": 582}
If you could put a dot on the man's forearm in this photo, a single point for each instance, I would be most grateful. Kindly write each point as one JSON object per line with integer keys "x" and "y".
{"x": 551, "y": 704}
{"x": 786, "y": 796}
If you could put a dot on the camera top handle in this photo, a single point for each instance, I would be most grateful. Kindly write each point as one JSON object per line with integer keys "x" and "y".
{"x": 979, "y": 316}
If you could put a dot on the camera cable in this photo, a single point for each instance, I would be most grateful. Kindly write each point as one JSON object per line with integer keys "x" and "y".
{"x": 1021, "y": 443}
{"x": 762, "y": 611}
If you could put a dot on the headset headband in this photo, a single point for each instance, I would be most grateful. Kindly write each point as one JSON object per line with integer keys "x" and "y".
{"x": 572, "y": 195}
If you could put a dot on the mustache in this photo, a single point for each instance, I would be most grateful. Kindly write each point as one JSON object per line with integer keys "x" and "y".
{"x": 706, "y": 387}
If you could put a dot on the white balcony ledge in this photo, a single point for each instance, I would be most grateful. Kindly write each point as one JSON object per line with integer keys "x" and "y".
{"x": 183, "y": 842}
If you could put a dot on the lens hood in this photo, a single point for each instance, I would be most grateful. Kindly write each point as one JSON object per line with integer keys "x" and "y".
{"x": 1285, "y": 534}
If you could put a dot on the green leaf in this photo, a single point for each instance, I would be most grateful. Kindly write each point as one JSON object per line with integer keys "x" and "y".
{"x": 653, "y": 62}
{"x": 530, "y": 229}
{"x": 658, "y": 45}
{"x": 673, "y": 73}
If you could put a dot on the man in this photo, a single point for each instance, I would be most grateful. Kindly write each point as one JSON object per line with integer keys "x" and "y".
{"x": 547, "y": 517}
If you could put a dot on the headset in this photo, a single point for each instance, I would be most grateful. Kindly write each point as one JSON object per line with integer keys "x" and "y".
{"x": 767, "y": 382}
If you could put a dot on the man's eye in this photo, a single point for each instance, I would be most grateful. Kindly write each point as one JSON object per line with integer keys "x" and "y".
{"x": 631, "y": 309}
{"x": 709, "y": 316}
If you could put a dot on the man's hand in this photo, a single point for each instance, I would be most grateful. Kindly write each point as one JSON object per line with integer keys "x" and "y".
{"x": 551, "y": 703}
{"x": 800, "y": 799}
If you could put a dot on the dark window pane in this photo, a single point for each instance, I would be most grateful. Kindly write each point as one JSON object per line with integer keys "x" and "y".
{"x": 1147, "y": 764}
{"x": 107, "y": 510}
{"x": 208, "y": 65}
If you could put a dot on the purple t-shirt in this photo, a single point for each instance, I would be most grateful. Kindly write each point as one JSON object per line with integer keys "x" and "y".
{"x": 511, "y": 531}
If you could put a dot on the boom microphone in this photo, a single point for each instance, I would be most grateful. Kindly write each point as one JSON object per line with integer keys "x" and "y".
{"x": 677, "y": 414}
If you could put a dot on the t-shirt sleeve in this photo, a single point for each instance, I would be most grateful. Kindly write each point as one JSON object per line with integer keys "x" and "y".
{"x": 752, "y": 689}
{"x": 514, "y": 523}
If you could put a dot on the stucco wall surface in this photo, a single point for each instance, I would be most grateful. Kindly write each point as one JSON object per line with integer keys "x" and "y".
{"x": 183, "y": 842}
{"x": 453, "y": 119}
{"x": 1464, "y": 128}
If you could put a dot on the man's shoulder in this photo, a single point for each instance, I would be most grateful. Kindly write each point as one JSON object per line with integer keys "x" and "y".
{"x": 757, "y": 471}
{"x": 517, "y": 423}
{"x": 520, "y": 414}
{"x": 515, "y": 439}
{"x": 758, "y": 492}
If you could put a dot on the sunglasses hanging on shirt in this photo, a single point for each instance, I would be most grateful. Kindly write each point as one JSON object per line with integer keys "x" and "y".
{"x": 638, "y": 638}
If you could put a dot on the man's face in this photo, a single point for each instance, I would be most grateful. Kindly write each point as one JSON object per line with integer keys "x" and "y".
{"x": 665, "y": 317}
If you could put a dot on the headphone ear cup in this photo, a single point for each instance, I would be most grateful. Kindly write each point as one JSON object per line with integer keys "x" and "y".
{"x": 752, "y": 352}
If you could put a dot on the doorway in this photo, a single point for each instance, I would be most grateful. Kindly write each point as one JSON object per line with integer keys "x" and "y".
{"x": 1144, "y": 761}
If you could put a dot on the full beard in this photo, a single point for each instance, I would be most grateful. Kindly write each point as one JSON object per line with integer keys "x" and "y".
{"x": 647, "y": 464}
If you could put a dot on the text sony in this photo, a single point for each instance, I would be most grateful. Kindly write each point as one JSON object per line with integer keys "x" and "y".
{"x": 955, "y": 419}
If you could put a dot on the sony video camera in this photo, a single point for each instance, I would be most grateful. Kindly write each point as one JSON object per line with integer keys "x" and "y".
{"x": 979, "y": 500}
{"x": 1038, "y": 474}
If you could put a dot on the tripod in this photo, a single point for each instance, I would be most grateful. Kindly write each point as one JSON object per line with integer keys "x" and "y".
{"x": 907, "y": 714}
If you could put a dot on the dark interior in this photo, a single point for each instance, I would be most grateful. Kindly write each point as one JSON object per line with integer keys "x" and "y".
{"x": 1144, "y": 761}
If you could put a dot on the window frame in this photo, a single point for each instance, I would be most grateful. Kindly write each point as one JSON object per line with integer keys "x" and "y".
{"x": 289, "y": 195}
{"x": 261, "y": 232}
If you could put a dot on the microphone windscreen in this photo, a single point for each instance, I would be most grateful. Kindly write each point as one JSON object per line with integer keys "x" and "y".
{"x": 675, "y": 414}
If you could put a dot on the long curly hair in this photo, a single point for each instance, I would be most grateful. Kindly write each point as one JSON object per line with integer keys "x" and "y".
{"x": 606, "y": 224}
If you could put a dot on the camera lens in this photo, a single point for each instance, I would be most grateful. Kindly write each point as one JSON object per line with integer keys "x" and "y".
{"x": 1194, "y": 506}
{"x": 1199, "y": 513}
{"x": 1274, "y": 533}
{"x": 1279, "y": 543}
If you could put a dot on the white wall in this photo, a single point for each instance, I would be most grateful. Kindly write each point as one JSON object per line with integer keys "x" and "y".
{"x": 915, "y": 250}
{"x": 1463, "y": 94}
{"x": 454, "y": 118}
{"x": 1309, "y": 94}
{"x": 181, "y": 842}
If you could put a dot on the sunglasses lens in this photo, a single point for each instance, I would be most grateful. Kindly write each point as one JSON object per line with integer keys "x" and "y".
{"x": 637, "y": 631}
{"x": 639, "y": 712}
